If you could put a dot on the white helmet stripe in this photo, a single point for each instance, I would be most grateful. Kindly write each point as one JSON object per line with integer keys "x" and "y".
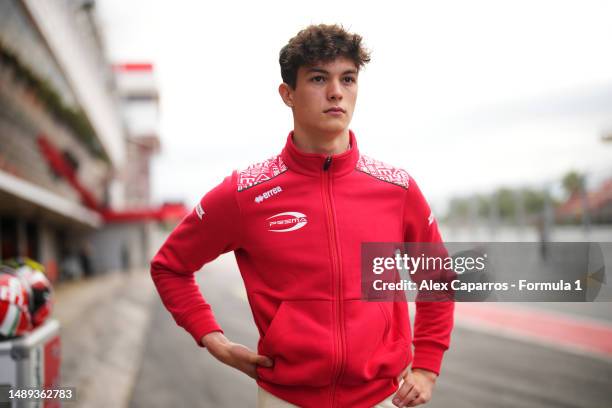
{"x": 10, "y": 321}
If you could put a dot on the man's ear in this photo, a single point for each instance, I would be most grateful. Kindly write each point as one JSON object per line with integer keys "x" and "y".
{"x": 286, "y": 93}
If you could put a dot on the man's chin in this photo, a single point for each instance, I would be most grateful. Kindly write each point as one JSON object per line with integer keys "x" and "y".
{"x": 333, "y": 128}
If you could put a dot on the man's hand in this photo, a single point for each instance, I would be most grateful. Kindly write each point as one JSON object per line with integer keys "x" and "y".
{"x": 416, "y": 389}
{"x": 235, "y": 355}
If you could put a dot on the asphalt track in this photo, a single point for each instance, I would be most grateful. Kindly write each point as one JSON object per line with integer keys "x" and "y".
{"x": 502, "y": 355}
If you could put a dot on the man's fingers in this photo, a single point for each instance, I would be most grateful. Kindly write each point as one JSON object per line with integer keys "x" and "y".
{"x": 245, "y": 354}
{"x": 411, "y": 398}
{"x": 257, "y": 359}
{"x": 404, "y": 390}
{"x": 263, "y": 361}
{"x": 246, "y": 360}
{"x": 416, "y": 402}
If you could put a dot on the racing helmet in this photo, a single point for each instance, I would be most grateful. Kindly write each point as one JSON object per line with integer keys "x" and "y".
{"x": 39, "y": 289}
{"x": 15, "y": 317}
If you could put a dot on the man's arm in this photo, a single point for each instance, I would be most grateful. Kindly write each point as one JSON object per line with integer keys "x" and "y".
{"x": 211, "y": 229}
{"x": 204, "y": 234}
{"x": 433, "y": 320}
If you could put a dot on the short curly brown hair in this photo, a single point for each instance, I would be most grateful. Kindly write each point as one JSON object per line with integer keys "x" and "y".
{"x": 320, "y": 43}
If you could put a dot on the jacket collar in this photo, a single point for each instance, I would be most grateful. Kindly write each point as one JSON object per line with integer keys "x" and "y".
{"x": 312, "y": 164}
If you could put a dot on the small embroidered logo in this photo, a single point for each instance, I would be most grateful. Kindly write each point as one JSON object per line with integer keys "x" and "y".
{"x": 199, "y": 211}
{"x": 259, "y": 199}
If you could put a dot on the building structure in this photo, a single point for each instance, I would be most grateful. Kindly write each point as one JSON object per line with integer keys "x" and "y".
{"x": 74, "y": 158}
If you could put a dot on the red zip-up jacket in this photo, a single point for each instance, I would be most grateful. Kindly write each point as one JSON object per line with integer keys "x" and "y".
{"x": 296, "y": 223}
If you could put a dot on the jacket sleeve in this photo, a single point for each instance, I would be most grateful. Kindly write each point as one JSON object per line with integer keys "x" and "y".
{"x": 211, "y": 229}
{"x": 434, "y": 319}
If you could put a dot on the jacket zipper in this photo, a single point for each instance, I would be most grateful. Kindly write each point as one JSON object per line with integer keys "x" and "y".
{"x": 337, "y": 275}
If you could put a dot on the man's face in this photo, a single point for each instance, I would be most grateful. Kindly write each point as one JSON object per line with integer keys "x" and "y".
{"x": 324, "y": 98}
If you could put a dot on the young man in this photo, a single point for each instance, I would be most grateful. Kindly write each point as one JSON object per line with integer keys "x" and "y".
{"x": 296, "y": 223}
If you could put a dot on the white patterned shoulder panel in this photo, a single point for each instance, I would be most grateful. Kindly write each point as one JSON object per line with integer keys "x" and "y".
{"x": 259, "y": 172}
{"x": 382, "y": 171}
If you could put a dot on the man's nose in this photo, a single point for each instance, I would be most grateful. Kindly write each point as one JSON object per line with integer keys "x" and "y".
{"x": 334, "y": 91}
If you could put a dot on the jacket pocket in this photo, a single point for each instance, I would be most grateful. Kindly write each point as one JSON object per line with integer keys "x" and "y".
{"x": 300, "y": 341}
{"x": 374, "y": 348}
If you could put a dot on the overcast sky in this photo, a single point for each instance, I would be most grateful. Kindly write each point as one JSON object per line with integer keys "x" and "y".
{"x": 465, "y": 95}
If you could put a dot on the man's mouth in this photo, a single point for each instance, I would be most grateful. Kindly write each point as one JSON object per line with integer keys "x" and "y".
{"x": 335, "y": 109}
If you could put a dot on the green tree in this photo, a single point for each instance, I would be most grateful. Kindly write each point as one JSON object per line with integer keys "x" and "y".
{"x": 506, "y": 200}
{"x": 573, "y": 182}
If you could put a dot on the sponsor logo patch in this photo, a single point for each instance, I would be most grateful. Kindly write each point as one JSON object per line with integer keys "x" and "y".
{"x": 268, "y": 194}
{"x": 287, "y": 221}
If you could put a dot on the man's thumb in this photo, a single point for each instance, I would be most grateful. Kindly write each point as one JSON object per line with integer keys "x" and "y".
{"x": 264, "y": 361}
{"x": 402, "y": 375}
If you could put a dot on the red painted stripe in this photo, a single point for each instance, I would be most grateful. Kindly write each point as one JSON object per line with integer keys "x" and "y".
{"x": 545, "y": 326}
{"x": 57, "y": 161}
{"x": 167, "y": 212}
{"x": 143, "y": 66}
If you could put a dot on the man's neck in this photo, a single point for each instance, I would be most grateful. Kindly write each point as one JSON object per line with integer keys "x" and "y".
{"x": 328, "y": 144}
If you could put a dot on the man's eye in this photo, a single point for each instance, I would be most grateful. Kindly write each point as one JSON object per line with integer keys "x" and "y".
{"x": 349, "y": 79}
{"x": 318, "y": 78}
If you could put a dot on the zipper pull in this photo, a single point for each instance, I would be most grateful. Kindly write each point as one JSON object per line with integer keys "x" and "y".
{"x": 327, "y": 163}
